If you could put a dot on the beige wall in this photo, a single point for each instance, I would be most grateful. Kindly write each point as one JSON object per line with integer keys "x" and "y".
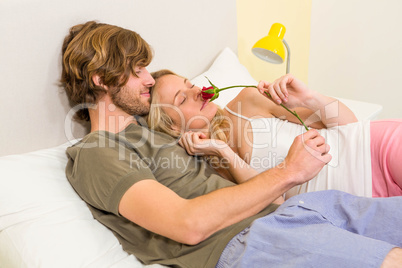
{"x": 255, "y": 17}
{"x": 343, "y": 48}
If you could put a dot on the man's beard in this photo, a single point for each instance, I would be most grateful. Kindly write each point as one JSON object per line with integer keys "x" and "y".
{"x": 132, "y": 106}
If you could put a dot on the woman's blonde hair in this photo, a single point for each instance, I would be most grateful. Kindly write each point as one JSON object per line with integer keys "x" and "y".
{"x": 219, "y": 127}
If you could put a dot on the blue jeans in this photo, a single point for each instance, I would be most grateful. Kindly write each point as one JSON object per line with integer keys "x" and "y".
{"x": 320, "y": 229}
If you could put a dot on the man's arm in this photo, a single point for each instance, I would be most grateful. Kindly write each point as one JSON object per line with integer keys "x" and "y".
{"x": 231, "y": 163}
{"x": 160, "y": 210}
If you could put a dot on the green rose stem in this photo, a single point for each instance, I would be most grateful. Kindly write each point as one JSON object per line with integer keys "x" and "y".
{"x": 216, "y": 90}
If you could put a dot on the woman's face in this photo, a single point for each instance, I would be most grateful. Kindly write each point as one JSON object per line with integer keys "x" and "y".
{"x": 182, "y": 102}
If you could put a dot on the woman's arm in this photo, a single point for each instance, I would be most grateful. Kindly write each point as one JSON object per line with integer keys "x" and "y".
{"x": 316, "y": 109}
{"x": 196, "y": 143}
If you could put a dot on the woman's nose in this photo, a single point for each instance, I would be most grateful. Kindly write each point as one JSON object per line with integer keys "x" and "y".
{"x": 196, "y": 92}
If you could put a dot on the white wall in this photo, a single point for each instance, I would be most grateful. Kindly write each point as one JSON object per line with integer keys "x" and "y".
{"x": 186, "y": 37}
{"x": 356, "y": 51}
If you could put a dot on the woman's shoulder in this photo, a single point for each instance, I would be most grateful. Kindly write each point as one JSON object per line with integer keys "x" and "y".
{"x": 250, "y": 103}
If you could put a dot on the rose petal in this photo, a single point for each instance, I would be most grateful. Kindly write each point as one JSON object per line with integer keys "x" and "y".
{"x": 206, "y": 96}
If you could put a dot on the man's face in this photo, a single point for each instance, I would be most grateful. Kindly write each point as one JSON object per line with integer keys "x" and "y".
{"x": 134, "y": 98}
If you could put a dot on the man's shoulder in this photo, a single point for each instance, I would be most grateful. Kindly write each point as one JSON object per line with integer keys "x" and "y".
{"x": 134, "y": 139}
{"x": 98, "y": 142}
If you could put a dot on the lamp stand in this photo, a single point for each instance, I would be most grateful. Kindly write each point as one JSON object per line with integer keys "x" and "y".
{"x": 288, "y": 57}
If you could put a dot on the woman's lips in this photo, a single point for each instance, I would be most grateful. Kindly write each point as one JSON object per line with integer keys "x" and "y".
{"x": 204, "y": 104}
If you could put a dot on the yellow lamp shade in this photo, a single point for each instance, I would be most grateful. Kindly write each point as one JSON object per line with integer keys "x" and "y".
{"x": 271, "y": 47}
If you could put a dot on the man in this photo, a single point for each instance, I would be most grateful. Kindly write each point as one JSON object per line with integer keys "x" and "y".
{"x": 167, "y": 207}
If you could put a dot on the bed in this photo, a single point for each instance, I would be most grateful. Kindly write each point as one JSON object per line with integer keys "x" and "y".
{"x": 43, "y": 222}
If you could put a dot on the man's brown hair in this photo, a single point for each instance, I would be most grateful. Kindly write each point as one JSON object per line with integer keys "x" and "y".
{"x": 109, "y": 51}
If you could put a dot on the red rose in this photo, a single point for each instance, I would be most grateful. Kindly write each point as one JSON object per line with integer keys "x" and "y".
{"x": 211, "y": 93}
{"x": 207, "y": 95}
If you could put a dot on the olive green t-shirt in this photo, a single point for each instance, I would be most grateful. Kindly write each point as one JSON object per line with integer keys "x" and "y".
{"x": 103, "y": 166}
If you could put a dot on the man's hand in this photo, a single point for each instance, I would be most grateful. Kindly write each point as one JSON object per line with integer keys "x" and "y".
{"x": 157, "y": 208}
{"x": 307, "y": 156}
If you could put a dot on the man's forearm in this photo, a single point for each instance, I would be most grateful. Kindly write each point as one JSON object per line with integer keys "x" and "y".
{"x": 223, "y": 207}
{"x": 159, "y": 209}
{"x": 250, "y": 198}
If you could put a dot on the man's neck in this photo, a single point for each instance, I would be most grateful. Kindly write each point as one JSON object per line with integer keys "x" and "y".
{"x": 106, "y": 117}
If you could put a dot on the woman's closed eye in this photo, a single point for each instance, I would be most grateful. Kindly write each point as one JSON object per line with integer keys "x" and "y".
{"x": 182, "y": 100}
{"x": 181, "y": 95}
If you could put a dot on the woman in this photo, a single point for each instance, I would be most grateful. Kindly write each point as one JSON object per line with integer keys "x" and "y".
{"x": 365, "y": 154}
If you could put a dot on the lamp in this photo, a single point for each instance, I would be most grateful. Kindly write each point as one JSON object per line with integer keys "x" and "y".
{"x": 271, "y": 48}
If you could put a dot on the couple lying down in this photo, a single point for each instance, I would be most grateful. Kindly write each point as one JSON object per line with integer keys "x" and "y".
{"x": 365, "y": 155}
{"x": 166, "y": 206}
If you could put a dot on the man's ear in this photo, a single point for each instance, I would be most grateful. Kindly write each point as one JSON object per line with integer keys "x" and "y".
{"x": 97, "y": 80}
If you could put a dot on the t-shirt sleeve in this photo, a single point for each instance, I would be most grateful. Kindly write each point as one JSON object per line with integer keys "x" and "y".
{"x": 101, "y": 175}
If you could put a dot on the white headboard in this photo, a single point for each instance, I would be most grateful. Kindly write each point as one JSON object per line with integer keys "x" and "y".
{"x": 185, "y": 35}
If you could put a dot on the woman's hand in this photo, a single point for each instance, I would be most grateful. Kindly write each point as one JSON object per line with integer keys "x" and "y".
{"x": 234, "y": 168}
{"x": 287, "y": 90}
{"x": 314, "y": 108}
{"x": 196, "y": 143}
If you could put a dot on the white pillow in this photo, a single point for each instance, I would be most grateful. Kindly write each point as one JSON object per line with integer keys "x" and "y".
{"x": 44, "y": 223}
{"x": 225, "y": 71}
